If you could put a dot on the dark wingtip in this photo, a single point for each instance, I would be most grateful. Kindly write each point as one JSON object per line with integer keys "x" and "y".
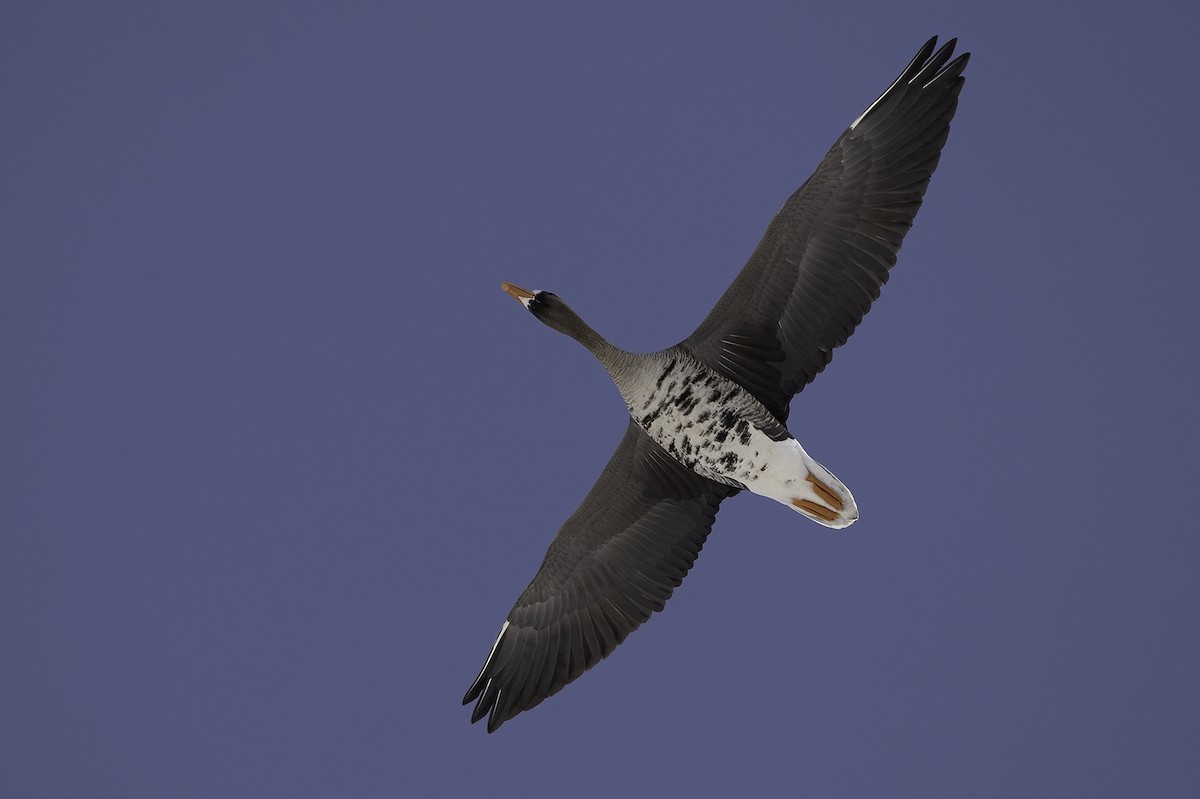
{"x": 479, "y": 712}
{"x": 956, "y": 66}
{"x": 498, "y": 715}
{"x": 474, "y": 691}
{"x": 918, "y": 62}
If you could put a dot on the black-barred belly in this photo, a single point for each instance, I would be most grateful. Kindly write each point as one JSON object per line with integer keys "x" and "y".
{"x": 699, "y": 417}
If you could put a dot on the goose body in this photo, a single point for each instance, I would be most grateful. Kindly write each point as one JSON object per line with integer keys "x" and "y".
{"x": 708, "y": 416}
{"x": 717, "y": 428}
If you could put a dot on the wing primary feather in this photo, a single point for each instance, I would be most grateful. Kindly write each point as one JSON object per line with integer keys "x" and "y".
{"x": 476, "y": 687}
{"x": 931, "y": 67}
{"x": 905, "y": 76}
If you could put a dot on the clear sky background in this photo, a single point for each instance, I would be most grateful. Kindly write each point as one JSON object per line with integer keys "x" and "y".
{"x": 277, "y": 454}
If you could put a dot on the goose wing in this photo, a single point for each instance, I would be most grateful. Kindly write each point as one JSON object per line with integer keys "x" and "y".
{"x": 827, "y": 252}
{"x": 614, "y": 562}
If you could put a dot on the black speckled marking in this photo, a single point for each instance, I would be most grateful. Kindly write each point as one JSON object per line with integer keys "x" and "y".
{"x": 685, "y": 401}
{"x": 670, "y": 368}
{"x": 705, "y": 421}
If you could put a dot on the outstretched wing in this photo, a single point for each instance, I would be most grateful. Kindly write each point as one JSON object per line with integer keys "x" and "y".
{"x": 827, "y": 252}
{"x": 615, "y": 561}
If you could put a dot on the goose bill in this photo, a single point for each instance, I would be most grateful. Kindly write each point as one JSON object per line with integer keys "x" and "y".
{"x": 519, "y": 294}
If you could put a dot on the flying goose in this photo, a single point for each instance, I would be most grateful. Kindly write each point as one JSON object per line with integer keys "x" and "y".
{"x": 708, "y": 416}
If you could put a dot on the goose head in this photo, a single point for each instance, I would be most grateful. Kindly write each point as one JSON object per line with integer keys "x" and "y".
{"x": 556, "y": 314}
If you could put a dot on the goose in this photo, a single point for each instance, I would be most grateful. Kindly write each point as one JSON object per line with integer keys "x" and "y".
{"x": 708, "y": 416}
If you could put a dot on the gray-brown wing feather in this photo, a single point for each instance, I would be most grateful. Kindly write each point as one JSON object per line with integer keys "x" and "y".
{"x": 614, "y": 562}
{"x": 827, "y": 253}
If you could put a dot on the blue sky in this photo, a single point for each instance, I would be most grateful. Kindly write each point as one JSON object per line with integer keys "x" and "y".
{"x": 277, "y": 454}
